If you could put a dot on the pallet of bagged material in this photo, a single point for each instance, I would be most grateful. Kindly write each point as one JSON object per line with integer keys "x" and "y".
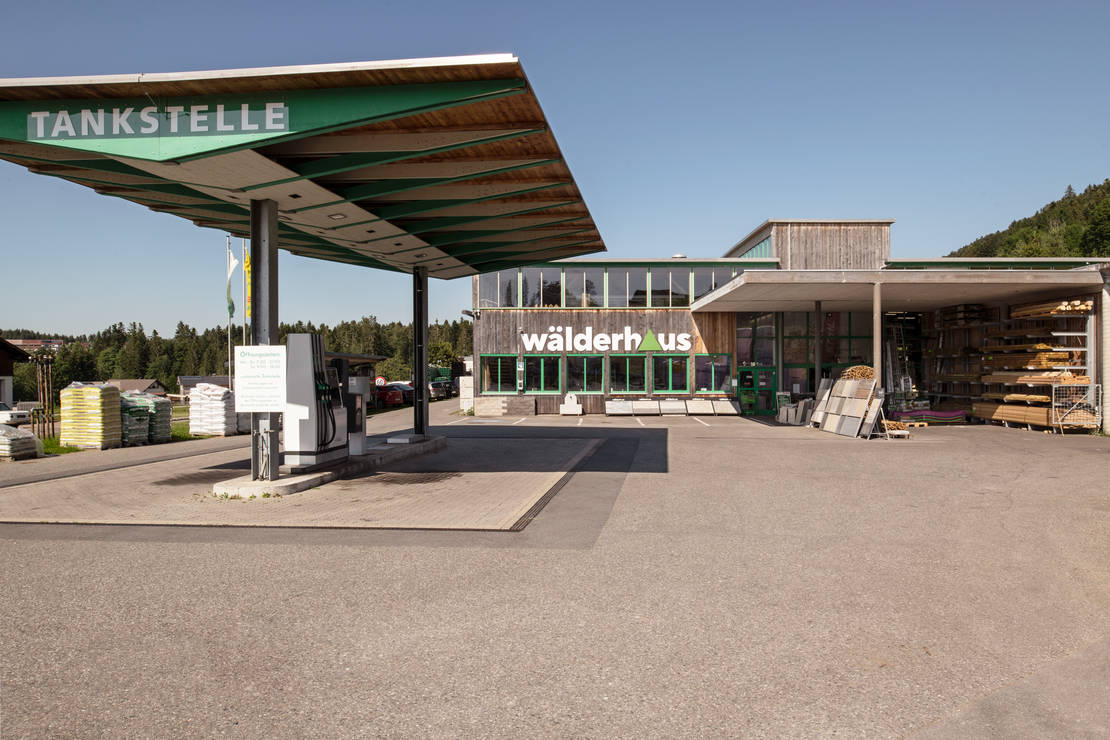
{"x": 90, "y": 416}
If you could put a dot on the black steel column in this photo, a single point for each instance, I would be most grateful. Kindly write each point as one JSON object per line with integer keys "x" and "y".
{"x": 265, "y": 454}
{"x": 420, "y": 350}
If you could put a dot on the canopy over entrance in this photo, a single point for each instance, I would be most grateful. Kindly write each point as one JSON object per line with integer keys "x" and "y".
{"x": 446, "y": 164}
{"x": 902, "y": 290}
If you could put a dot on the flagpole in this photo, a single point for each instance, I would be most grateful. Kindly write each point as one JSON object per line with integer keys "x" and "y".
{"x": 230, "y": 374}
{"x": 246, "y": 310}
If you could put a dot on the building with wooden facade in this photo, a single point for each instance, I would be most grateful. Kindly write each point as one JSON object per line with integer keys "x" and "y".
{"x": 792, "y": 302}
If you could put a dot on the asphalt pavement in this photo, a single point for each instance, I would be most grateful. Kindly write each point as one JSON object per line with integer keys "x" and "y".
{"x": 691, "y": 578}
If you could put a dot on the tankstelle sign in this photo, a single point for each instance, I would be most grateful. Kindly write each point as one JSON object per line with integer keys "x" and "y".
{"x": 153, "y": 120}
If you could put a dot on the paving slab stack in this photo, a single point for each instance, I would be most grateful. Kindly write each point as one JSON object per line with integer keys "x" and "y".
{"x": 91, "y": 416}
{"x": 17, "y": 444}
{"x": 212, "y": 411}
{"x": 134, "y": 421}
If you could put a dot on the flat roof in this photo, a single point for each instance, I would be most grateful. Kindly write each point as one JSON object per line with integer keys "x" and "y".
{"x": 446, "y": 163}
{"x": 902, "y": 290}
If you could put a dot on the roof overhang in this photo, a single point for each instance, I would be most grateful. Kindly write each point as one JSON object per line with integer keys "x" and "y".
{"x": 918, "y": 290}
{"x": 443, "y": 163}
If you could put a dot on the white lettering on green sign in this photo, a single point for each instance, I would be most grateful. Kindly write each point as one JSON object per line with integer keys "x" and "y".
{"x": 565, "y": 339}
{"x": 178, "y": 120}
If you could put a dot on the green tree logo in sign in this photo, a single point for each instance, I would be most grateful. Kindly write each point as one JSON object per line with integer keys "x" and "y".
{"x": 650, "y": 343}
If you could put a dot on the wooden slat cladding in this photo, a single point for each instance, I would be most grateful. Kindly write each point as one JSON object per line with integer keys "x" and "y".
{"x": 831, "y": 246}
{"x": 714, "y": 332}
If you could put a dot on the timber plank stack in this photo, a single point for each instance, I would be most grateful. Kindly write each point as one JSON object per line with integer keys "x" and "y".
{"x": 1003, "y": 369}
{"x": 1041, "y": 345}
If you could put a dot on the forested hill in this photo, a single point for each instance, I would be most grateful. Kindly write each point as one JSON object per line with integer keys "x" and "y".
{"x": 1077, "y": 225}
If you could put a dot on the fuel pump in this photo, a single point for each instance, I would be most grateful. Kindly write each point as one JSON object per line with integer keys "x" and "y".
{"x": 315, "y": 418}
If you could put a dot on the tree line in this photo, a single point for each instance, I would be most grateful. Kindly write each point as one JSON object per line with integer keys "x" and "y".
{"x": 1076, "y": 225}
{"x": 127, "y": 351}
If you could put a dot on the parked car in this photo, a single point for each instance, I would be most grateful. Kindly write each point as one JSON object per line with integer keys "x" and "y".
{"x": 386, "y": 397}
{"x": 439, "y": 389}
{"x": 406, "y": 389}
{"x": 13, "y": 417}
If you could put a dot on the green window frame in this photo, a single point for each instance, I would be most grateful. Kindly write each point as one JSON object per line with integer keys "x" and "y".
{"x": 673, "y": 369}
{"x": 720, "y": 378}
{"x": 622, "y": 374}
{"x": 501, "y": 373}
{"x": 587, "y": 361}
{"x": 542, "y": 374}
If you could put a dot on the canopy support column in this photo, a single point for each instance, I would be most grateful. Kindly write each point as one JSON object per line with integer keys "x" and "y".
{"x": 877, "y": 333}
{"x": 265, "y": 455}
{"x": 420, "y": 351}
{"x": 1103, "y": 326}
{"x": 819, "y": 324}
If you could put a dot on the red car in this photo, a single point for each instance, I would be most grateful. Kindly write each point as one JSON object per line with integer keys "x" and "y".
{"x": 385, "y": 397}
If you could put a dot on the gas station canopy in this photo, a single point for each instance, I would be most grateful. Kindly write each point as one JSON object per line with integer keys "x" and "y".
{"x": 445, "y": 163}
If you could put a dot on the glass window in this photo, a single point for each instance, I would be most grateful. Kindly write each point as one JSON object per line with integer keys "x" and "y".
{"x": 713, "y": 373}
{"x": 861, "y": 324}
{"x": 795, "y": 350}
{"x": 794, "y": 324}
{"x": 668, "y": 373}
{"x": 585, "y": 374}
{"x": 627, "y": 373}
{"x": 627, "y": 287}
{"x": 708, "y": 279}
{"x": 541, "y": 287}
{"x": 497, "y": 289}
{"x": 584, "y": 287}
{"x": 755, "y": 339}
{"x": 670, "y": 287}
{"x": 541, "y": 373}
{"x": 835, "y": 324}
{"x": 498, "y": 374}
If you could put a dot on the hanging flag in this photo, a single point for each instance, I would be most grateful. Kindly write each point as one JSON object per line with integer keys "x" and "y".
{"x": 232, "y": 263}
{"x": 247, "y": 279}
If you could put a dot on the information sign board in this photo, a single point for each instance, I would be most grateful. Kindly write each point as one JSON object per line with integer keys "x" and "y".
{"x": 260, "y": 379}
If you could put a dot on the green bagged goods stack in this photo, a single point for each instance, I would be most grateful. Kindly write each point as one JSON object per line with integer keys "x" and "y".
{"x": 134, "y": 421}
{"x": 90, "y": 416}
{"x": 160, "y": 411}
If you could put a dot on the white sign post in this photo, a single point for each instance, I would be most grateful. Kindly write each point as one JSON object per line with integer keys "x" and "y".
{"x": 260, "y": 379}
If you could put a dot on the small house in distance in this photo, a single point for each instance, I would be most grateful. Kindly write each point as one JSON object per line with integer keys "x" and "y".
{"x": 9, "y": 355}
{"x": 139, "y": 385}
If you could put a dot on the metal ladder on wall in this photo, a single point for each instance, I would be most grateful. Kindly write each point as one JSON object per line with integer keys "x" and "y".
{"x": 897, "y": 359}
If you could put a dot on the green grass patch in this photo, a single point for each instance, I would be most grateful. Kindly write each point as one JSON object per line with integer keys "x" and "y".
{"x": 50, "y": 446}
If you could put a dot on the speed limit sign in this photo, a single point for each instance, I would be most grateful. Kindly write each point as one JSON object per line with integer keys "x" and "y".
{"x": 379, "y": 381}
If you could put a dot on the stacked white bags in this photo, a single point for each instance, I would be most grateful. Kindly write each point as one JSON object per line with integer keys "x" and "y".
{"x": 17, "y": 444}
{"x": 212, "y": 411}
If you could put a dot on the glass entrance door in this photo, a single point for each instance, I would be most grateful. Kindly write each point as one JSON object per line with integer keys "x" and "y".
{"x": 755, "y": 390}
{"x": 756, "y": 381}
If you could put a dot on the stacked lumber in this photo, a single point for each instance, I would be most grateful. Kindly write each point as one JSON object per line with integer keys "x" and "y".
{"x": 858, "y": 372}
{"x": 962, "y": 315}
{"x": 1038, "y": 346}
{"x": 1018, "y": 397}
{"x": 1019, "y": 332}
{"x": 1060, "y": 378}
{"x": 1038, "y": 415}
{"x": 959, "y": 377}
{"x": 1053, "y": 308}
{"x": 1030, "y": 360}
{"x": 932, "y": 416}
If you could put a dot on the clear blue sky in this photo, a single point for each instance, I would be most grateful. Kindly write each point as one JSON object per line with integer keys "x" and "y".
{"x": 685, "y": 125}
